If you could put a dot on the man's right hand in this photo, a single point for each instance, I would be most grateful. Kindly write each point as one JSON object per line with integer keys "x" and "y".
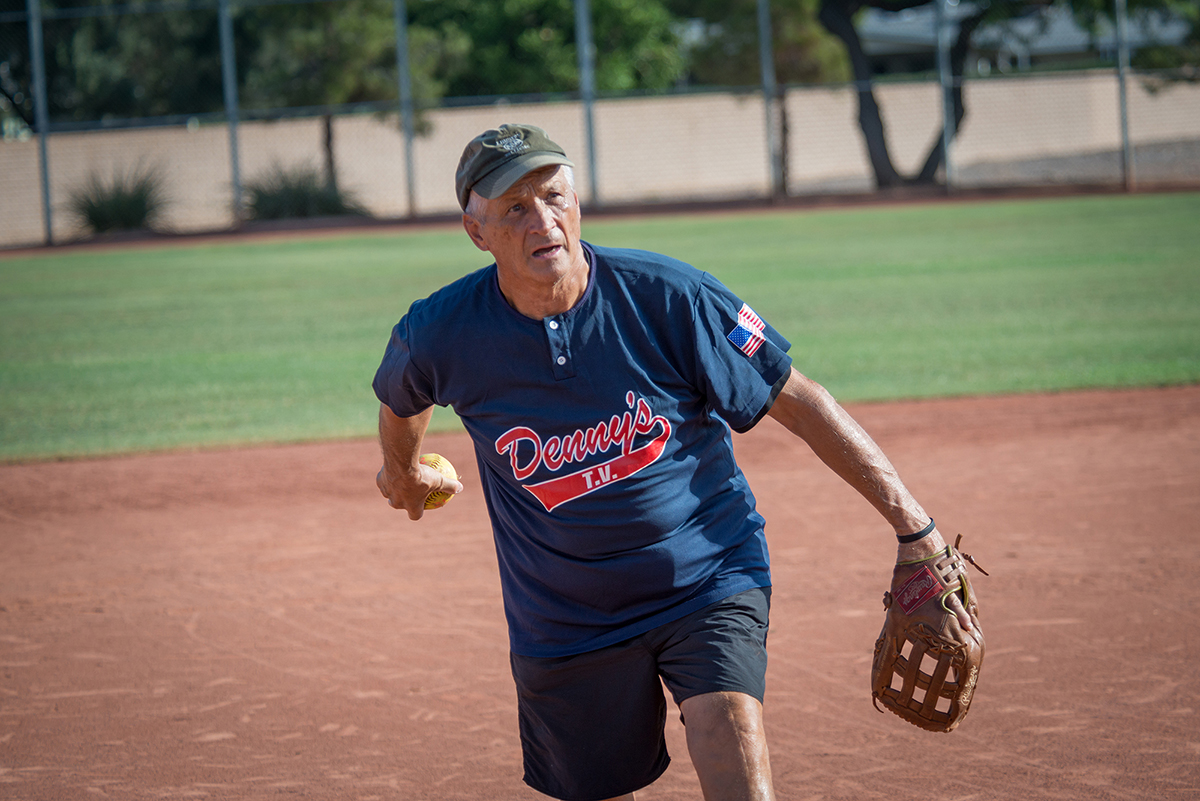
{"x": 408, "y": 490}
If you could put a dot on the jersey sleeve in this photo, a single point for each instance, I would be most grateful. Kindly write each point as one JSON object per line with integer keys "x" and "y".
{"x": 741, "y": 361}
{"x": 399, "y": 383}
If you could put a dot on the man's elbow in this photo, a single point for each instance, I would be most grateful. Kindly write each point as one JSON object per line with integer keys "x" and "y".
{"x": 802, "y": 403}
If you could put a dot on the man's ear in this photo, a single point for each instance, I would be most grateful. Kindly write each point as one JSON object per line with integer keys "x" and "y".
{"x": 475, "y": 231}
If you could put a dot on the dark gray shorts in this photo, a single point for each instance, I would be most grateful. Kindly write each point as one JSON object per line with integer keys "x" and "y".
{"x": 592, "y": 724}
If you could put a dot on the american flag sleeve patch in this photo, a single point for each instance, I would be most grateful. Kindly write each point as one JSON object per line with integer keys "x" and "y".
{"x": 747, "y": 335}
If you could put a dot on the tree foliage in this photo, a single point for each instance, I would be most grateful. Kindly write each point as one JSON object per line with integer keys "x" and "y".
{"x": 318, "y": 54}
{"x": 636, "y": 44}
{"x": 1178, "y": 62}
{"x": 528, "y": 46}
{"x": 142, "y": 65}
{"x": 728, "y": 51}
{"x": 160, "y": 63}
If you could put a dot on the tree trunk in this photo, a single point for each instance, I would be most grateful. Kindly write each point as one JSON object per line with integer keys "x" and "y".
{"x": 330, "y": 166}
{"x": 958, "y": 57}
{"x": 16, "y": 107}
{"x": 837, "y": 17}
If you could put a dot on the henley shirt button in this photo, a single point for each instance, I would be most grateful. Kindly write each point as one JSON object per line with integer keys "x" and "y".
{"x": 554, "y": 325}
{"x": 562, "y": 360}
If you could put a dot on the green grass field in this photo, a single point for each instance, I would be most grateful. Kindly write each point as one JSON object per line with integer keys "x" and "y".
{"x": 147, "y": 348}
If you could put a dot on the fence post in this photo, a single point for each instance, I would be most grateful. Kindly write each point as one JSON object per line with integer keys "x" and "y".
{"x": 766, "y": 57}
{"x": 946, "y": 80}
{"x": 585, "y": 50}
{"x": 229, "y": 79}
{"x": 1127, "y": 167}
{"x": 41, "y": 112}
{"x": 406, "y": 101}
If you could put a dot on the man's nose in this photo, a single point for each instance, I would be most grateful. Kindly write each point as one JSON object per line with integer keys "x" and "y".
{"x": 542, "y": 217}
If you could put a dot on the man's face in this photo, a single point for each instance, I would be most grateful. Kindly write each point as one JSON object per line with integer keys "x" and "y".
{"x": 532, "y": 230}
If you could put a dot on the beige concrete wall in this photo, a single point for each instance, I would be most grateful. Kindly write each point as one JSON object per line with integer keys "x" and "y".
{"x": 1169, "y": 113}
{"x": 195, "y": 166}
{"x": 648, "y": 149}
{"x": 826, "y": 146}
{"x": 1008, "y": 119}
{"x": 686, "y": 146}
{"x": 1074, "y": 114}
{"x": 824, "y": 143}
{"x": 20, "y": 196}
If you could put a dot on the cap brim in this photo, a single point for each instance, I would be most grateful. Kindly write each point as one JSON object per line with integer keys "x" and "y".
{"x": 496, "y": 183}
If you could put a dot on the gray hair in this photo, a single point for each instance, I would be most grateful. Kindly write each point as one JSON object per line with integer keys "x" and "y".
{"x": 475, "y": 205}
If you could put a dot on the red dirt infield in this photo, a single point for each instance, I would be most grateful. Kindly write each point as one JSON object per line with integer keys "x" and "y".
{"x": 259, "y": 624}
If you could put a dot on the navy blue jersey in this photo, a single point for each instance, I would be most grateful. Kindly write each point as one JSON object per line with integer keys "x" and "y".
{"x": 603, "y": 440}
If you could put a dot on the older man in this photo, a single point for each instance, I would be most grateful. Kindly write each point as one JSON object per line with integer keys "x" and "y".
{"x": 600, "y": 387}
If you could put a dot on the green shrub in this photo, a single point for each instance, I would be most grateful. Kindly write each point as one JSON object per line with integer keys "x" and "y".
{"x": 130, "y": 200}
{"x": 283, "y": 193}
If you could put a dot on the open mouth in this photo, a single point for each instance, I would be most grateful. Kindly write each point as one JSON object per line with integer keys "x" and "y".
{"x": 548, "y": 250}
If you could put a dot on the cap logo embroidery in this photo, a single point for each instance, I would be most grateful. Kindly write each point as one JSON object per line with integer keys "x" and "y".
{"x": 513, "y": 144}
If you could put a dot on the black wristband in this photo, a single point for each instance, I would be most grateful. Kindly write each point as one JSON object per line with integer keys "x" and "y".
{"x": 925, "y": 532}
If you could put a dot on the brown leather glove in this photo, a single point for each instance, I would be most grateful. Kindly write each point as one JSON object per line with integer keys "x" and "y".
{"x": 926, "y": 665}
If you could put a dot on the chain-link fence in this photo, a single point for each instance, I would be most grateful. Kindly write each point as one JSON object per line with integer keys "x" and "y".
{"x": 213, "y": 98}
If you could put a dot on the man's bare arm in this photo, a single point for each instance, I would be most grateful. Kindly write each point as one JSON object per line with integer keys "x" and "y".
{"x": 807, "y": 409}
{"x": 403, "y": 480}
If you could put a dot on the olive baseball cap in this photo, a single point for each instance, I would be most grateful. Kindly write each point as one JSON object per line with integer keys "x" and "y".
{"x": 496, "y": 159}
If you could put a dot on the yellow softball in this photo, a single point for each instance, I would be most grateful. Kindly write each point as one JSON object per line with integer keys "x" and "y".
{"x": 440, "y": 463}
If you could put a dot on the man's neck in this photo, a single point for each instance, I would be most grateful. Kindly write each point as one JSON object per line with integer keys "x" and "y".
{"x": 539, "y": 302}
